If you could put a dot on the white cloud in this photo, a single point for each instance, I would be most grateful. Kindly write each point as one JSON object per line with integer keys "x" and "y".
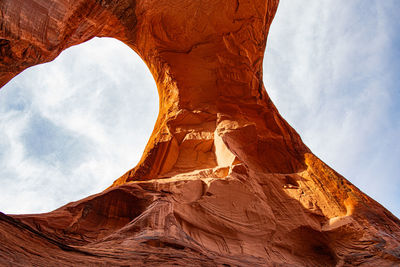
{"x": 69, "y": 128}
{"x": 329, "y": 71}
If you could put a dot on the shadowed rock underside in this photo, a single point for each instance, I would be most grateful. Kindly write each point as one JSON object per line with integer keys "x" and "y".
{"x": 224, "y": 180}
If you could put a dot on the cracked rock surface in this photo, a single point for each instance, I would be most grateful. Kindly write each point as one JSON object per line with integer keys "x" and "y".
{"x": 224, "y": 179}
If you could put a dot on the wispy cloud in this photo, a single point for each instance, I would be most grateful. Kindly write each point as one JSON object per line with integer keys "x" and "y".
{"x": 70, "y": 127}
{"x": 329, "y": 68}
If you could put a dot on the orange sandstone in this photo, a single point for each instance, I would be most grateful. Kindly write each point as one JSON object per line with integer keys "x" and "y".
{"x": 224, "y": 179}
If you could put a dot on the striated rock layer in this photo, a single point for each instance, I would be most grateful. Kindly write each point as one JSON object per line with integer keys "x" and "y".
{"x": 224, "y": 180}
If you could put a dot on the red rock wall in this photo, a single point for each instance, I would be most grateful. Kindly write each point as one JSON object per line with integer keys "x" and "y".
{"x": 223, "y": 180}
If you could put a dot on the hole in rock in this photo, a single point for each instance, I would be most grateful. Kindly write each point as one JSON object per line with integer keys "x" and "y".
{"x": 70, "y": 127}
{"x": 291, "y": 182}
{"x": 161, "y": 244}
{"x": 313, "y": 246}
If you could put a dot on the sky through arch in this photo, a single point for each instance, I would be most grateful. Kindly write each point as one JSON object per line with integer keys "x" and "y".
{"x": 70, "y": 127}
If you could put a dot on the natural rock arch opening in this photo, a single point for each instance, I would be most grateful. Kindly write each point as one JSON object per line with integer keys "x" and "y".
{"x": 71, "y": 126}
{"x": 208, "y": 73}
{"x": 213, "y": 177}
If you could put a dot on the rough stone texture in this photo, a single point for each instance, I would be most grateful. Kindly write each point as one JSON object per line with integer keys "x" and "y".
{"x": 224, "y": 180}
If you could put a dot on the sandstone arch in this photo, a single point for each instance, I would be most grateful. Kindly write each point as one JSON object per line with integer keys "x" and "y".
{"x": 223, "y": 173}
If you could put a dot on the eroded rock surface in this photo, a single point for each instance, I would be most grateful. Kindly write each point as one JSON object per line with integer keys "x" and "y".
{"x": 224, "y": 179}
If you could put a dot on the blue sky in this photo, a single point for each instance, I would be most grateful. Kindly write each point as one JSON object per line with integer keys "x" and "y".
{"x": 332, "y": 68}
{"x": 70, "y": 127}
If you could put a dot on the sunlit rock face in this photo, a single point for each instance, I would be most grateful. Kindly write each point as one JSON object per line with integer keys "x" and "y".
{"x": 223, "y": 180}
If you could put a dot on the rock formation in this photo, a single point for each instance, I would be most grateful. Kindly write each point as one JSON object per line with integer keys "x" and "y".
{"x": 224, "y": 179}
